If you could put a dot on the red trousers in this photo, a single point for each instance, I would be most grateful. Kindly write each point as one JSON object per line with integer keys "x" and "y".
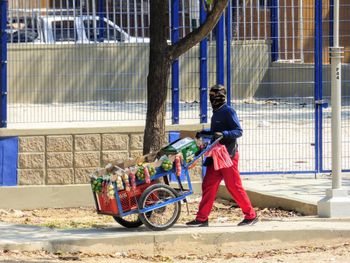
{"x": 233, "y": 183}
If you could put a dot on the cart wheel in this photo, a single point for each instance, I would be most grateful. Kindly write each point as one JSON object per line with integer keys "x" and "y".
{"x": 164, "y": 217}
{"x": 131, "y": 221}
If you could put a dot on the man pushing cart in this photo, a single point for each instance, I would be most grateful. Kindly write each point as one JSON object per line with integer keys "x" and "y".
{"x": 225, "y": 125}
{"x": 139, "y": 192}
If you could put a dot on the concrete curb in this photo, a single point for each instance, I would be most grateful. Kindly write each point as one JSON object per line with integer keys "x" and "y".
{"x": 53, "y": 196}
{"x": 96, "y": 129}
{"x": 260, "y": 199}
{"x": 57, "y": 196}
{"x": 178, "y": 240}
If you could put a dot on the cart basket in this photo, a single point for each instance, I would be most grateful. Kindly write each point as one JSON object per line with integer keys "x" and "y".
{"x": 128, "y": 199}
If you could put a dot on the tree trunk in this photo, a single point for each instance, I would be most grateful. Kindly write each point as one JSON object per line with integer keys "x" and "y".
{"x": 160, "y": 58}
{"x": 157, "y": 90}
{"x": 158, "y": 76}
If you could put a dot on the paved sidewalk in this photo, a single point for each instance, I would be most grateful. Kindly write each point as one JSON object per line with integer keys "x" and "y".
{"x": 292, "y": 192}
{"x": 298, "y": 191}
{"x": 299, "y": 187}
{"x": 142, "y": 240}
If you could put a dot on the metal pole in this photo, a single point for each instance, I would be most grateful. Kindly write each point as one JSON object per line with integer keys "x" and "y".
{"x": 101, "y": 15}
{"x": 142, "y": 20}
{"x": 228, "y": 51}
{"x": 251, "y": 20}
{"x": 265, "y": 19}
{"x": 237, "y": 19}
{"x": 274, "y": 30}
{"x": 136, "y": 34}
{"x": 285, "y": 30}
{"x": 244, "y": 8}
{"x": 128, "y": 16}
{"x": 220, "y": 58}
{"x": 94, "y": 19}
{"x": 301, "y": 30}
{"x": 107, "y": 26}
{"x": 331, "y": 25}
{"x": 203, "y": 70}
{"x": 175, "y": 82}
{"x": 336, "y": 203}
{"x": 336, "y": 56}
{"x": 318, "y": 85}
{"x": 293, "y": 30}
{"x": 3, "y": 83}
{"x": 258, "y": 14}
{"x": 183, "y": 18}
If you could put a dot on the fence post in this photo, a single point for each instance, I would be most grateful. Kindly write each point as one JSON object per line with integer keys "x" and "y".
{"x": 336, "y": 203}
{"x": 274, "y": 29}
{"x": 318, "y": 86}
{"x": 336, "y": 54}
{"x": 101, "y": 5}
{"x": 175, "y": 82}
{"x": 3, "y": 83}
{"x": 220, "y": 59}
{"x": 203, "y": 70}
{"x": 228, "y": 50}
{"x": 331, "y": 22}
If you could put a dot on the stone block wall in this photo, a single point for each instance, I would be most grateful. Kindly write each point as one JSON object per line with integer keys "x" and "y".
{"x": 70, "y": 158}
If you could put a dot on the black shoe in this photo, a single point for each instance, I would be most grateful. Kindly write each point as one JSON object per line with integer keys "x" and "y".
{"x": 197, "y": 223}
{"x": 248, "y": 222}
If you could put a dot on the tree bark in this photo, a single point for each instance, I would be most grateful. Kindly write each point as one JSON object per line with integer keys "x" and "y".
{"x": 158, "y": 76}
{"x": 193, "y": 38}
{"x": 160, "y": 58}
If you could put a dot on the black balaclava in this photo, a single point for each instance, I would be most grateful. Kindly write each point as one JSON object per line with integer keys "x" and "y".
{"x": 217, "y": 96}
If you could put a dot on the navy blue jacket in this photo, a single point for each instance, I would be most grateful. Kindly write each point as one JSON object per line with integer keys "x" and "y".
{"x": 225, "y": 120}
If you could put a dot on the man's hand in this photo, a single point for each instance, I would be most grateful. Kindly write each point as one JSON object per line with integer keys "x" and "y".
{"x": 218, "y": 135}
{"x": 202, "y": 133}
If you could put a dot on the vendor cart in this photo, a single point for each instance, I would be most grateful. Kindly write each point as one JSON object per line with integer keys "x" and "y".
{"x": 154, "y": 203}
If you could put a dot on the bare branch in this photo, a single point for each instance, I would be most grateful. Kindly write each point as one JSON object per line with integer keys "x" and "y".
{"x": 193, "y": 38}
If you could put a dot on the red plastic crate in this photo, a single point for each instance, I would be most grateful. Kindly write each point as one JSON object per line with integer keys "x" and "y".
{"x": 109, "y": 205}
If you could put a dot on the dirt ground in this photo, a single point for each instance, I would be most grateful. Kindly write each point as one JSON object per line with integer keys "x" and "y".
{"x": 306, "y": 252}
{"x": 85, "y": 217}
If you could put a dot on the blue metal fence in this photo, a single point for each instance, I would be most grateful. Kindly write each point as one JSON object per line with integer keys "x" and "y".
{"x": 318, "y": 84}
{"x": 203, "y": 73}
{"x": 3, "y": 77}
{"x": 93, "y": 67}
{"x": 175, "y": 83}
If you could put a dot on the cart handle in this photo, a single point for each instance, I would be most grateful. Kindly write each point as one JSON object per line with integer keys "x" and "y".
{"x": 207, "y": 149}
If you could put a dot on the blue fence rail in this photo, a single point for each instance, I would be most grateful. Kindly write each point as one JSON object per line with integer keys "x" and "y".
{"x": 91, "y": 66}
{"x": 3, "y": 43}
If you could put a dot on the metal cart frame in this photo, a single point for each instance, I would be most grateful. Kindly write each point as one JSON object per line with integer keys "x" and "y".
{"x": 181, "y": 193}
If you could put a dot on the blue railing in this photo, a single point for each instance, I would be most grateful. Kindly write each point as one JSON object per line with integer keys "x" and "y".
{"x": 273, "y": 64}
{"x": 3, "y": 43}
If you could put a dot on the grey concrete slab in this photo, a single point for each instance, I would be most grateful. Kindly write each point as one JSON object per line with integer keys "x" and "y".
{"x": 142, "y": 240}
{"x": 292, "y": 192}
{"x": 300, "y": 187}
